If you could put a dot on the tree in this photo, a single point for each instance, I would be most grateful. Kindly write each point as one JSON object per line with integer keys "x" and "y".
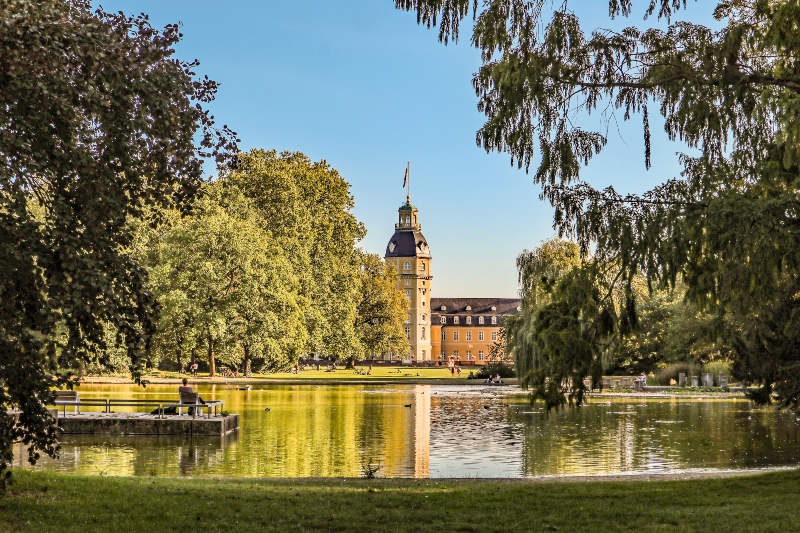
{"x": 729, "y": 226}
{"x": 381, "y": 310}
{"x": 538, "y": 271}
{"x": 225, "y": 284}
{"x": 306, "y": 207}
{"x": 97, "y": 120}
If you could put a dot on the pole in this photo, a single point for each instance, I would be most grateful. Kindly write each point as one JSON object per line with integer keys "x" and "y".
{"x": 408, "y": 183}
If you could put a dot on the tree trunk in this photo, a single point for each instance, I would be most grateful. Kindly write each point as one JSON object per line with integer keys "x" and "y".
{"x": 351, "y": 362}
{"x": 211, "y": 363}
{"x": 246, "y": 362}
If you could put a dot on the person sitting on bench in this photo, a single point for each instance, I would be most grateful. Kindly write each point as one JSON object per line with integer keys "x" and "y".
{"x": 188, "y": 388}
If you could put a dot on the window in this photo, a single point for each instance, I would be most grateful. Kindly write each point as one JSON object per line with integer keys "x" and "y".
{"x": 494, "y": 320}
{"x": 455, "y": 354}
{"x": 423, "y": 333}
{"x": 407, "y": 266}
{"x": 494, "y": 336}
{"x": 441, "y": 356}
{"x": 469, "y": 335}
{"x": 423, "y": 301}
{"x": 480, "y": 335}
{"x": 444, "y": 333}
{"x": 423, "y": 355}
{"x": 422, "y": 266}
{"x": 469, "y": 320}
{"x": 408, "y": 294}
{"x": 455, "y": 335}
{"x": 424, "y": 318}
{"x": 480, "y": 320}
{"x": 469, "y": 355}
{"x": 444, "y": 320}
{"x": 391, "y": 356}
{"x": 455, "y": 320}
{"x": 408, "y": 282}
{"x": 408, "y": 220}
{"x": 408, "y": 332}
{"x": 481, "y": 357}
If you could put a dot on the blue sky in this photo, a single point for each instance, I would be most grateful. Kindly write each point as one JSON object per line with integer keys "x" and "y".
{"x": 359, "y": 84}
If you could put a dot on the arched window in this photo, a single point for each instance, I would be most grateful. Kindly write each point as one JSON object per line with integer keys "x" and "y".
{"x": 494, "y": 320}
{"x": 408, "y": 332}
{"x": 407, "y": 266}
{"x": 408, "y": 219}
{"x": 469, "y": 320}
{"x": 422, "y": 266}
{"x": 480, "y": 320}
{"x": 444, "y": 320}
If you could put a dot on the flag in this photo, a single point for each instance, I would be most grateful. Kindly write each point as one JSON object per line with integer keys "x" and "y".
{"x": 405, "y": 177}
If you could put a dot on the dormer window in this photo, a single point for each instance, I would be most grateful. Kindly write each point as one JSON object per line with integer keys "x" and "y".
{"x": 519, "y": 308}
{"x": 494, "y": 308}
{"x": 444, "y": 320}
{"x": 494, "y": 320}
{"x": 455, "y": 320}
{"x": 480, "y": 320}
{"x": 468, "y": 308}
{"x": 443, "y": 308}
{"x": 469, "y": 320}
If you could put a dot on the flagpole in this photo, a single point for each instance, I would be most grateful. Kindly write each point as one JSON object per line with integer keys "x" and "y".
{"x": 408, "y": 171}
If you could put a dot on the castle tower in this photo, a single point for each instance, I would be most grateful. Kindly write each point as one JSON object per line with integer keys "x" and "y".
{"x": 408, "y": 251}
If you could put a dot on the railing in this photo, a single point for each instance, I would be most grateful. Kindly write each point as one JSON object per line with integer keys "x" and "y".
{"x": 160, "y": 405}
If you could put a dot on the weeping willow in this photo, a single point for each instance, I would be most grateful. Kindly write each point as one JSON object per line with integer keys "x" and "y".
{"x": 574, "y": 313}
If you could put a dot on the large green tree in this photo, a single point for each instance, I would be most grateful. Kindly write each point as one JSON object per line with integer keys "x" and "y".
{"x": 225, "y": 285}
{"x": 97, "y": 119}
{"x": 728, "y": 227}
{"x": 382, "y": 308}
{"x": 307, "y": 208}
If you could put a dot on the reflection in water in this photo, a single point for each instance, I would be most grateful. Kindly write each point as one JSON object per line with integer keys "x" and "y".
{"x": 443, "y": 431}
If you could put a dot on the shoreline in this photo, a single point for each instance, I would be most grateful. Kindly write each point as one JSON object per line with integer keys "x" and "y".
{"x": 399, "y": 380}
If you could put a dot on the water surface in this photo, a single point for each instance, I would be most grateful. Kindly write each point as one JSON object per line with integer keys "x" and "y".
{"x": 440, "y": 431}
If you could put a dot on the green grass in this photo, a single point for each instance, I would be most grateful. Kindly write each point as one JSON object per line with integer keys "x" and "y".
{"x": 379, "y": 373}
{"x": 41, "y": 502}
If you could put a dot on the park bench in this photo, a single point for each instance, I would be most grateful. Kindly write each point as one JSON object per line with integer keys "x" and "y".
{"x": 68, "y": 397}
{"x": 191, "y": 401}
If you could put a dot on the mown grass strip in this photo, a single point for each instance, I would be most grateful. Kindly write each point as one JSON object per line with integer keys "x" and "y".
{"x": 42, "y": 502}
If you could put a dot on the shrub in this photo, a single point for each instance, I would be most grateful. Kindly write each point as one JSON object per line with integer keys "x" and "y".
{"x": 664, "y": 374}
{"x": 492, "y": 369}
{"x": 717, "y": 368}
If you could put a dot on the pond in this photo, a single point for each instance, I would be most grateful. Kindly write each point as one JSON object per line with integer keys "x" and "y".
{"x": 440, "y": 431}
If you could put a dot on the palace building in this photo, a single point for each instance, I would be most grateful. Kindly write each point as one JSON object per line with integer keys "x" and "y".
{"x": 440, "y": 329}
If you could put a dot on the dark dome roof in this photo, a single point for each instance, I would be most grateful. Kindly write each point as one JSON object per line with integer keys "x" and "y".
{"x": 408, "y": 244}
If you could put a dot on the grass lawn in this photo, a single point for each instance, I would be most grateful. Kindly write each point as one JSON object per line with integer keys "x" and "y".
{"x": 41, "y": 502}
{"x": 379, "y": 373}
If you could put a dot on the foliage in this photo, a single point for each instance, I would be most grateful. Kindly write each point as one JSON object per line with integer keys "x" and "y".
{"x": 224, "y": 284}
{"x": 306, "y": 207}
{"x": 382, "y": 308}
{"x": 538, "y": 271}
{"x": 664, "y": 375}
{"x": 98, "y": 120}
{"x": 494, "y": 369}
{"x": 728, "y": 227}
{"x": 670, "y": 330}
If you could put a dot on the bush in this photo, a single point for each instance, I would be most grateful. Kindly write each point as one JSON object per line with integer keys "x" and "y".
{"x": 492, "y": 369}
{"x": 663, "y": 375}
{"x": 717, "y": 368}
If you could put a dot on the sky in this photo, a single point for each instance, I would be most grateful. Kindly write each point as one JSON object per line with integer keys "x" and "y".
{"x": 361, "y": 85}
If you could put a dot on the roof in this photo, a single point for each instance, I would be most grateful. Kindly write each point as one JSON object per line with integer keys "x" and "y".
{"x": 408, "y": 244}
{"x": 407, "y": 207}
{"x": 478, "y": 306}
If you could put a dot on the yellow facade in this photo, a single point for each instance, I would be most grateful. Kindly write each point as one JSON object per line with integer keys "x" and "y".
{"x": 439, "y": 329}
